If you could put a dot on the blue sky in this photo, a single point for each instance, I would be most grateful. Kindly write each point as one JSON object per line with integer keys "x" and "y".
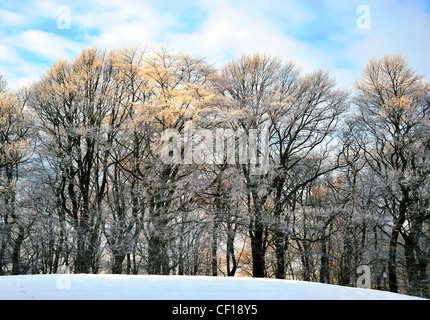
{"x": 313, "y": 33}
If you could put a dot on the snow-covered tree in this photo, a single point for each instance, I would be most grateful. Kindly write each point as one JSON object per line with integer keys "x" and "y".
{"x": 14, "y": 151}
{"x": 393, "y": 121}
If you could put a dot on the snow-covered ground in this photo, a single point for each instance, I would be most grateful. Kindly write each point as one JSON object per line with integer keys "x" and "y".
{"x": 118, "y": 287}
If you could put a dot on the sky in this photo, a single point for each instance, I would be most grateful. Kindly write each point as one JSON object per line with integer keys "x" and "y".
{"x": 336, "y": 35}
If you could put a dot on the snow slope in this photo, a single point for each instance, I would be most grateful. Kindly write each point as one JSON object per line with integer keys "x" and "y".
{"x": 126, "y": 287}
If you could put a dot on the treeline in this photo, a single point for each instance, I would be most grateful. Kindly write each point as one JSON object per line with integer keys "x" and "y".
{"x": 111, "y": 163}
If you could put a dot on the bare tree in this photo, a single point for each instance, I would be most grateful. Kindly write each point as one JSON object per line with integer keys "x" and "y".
{"x": 393, "y": 114}
{"x": 77, "y": 105}
{"x": 14, "y": 151}
{"x": 303, "y": 124}
{"x": 301, "y": 113}
{"x": 179, "y": 93}
{"x": 250, "y": 83}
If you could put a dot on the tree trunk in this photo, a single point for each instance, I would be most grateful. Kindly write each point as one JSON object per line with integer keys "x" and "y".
{"x": 117, "y": 263}
{"x": 324, "y": 271}
{"x": 154, "y": 255}
{"x": 231, "y": 270}
{"x": 258, "y": 252}
{"x": 392, "y": 253}
{"x": 158, "y": 262}
{"x": 280, "y": 253}
{"x": 304, "y": 257}
{"x": 411, "y": 267}
{"x": 346, "y": 260}
{"x": 416, "y": 260}
{"x": 128, "y": 264}
{"x": 83, "y": 254}
{"x": 214, "y": 260}
{"x": 392, "y": 257}
{"x": 16, "y": 262}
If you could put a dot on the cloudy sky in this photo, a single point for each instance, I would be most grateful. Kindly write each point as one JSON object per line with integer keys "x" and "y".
{"x": 338, "y": 35}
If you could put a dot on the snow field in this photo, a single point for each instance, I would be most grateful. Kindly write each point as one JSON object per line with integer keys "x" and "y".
{"x": 143, "y": 287}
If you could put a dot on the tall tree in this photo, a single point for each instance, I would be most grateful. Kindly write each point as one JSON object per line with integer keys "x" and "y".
{"x": 393, "y": 116}
{"x": 303, "y": 123}
{"x": 301, "y": 113}
{"x": 75, "y": 103}
{"x": 180, "y": 95}
{"x": 14, "y": 151}
{"x": 249, "y": 84}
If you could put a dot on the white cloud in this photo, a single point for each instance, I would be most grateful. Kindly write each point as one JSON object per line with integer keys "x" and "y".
{"x": 12, "y": 19}
{"x": 6, "y": 53}
{"x": 29, "y": 73}
{"x": 15, "y": 51}
{"x": 17, "y": 70}
{"x": 233, "y": 31}
{"x": 286, "y": 28}
{"x": 47, "y": 45}
{"x": 117, "y": 25}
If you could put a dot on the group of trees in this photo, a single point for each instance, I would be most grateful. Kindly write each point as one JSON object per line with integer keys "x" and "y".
{"x": 106, "y": 165}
